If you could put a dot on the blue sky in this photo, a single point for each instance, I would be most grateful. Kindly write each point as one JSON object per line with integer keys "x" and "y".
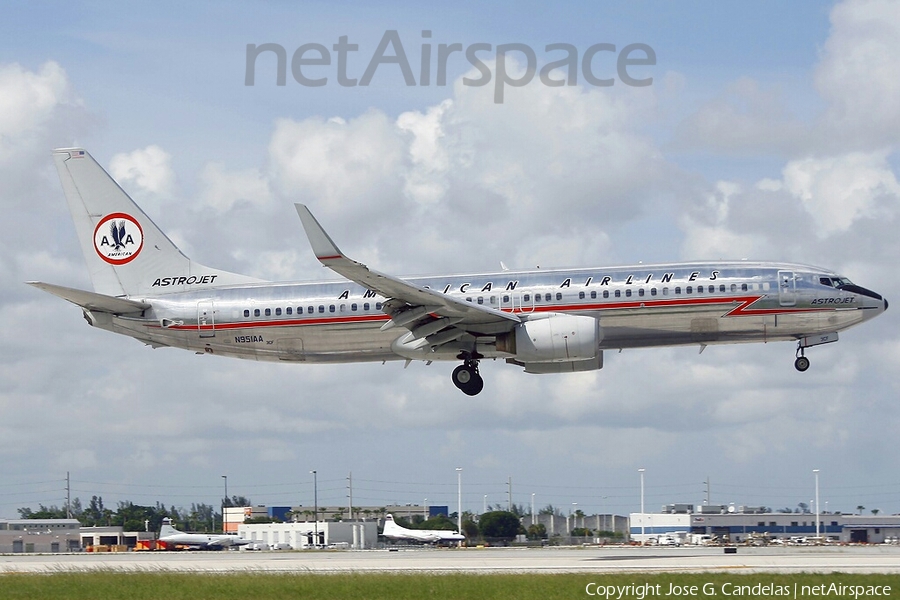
{"x": 769, "y": 132}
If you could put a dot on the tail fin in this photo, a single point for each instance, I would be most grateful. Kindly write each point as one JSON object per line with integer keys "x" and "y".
{"x": 167, "y": 529}
{"x": 126, "y": 253}
{"x": 390, "y": 527}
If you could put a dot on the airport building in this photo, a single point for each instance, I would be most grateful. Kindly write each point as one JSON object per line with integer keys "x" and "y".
{"x": 685, "y": 523}
{"x": 39, "y": 535}
{"x": 357, "y": 535}
{"x": 557, "y": 525}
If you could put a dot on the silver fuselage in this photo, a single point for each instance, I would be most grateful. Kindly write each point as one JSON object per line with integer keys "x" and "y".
{"x": 637, "y": 306}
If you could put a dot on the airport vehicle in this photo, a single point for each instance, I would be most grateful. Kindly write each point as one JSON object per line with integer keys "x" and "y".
{"x": 543, "y": 320}
{"x": 173, "y": 538}
{"x": 393, "y": 531}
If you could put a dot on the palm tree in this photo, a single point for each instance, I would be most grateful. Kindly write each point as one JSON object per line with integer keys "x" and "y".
{"x": 860, "y": 508}
{"x": 875, "y": 511}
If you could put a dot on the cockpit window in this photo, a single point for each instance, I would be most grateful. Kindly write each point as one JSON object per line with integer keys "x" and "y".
{"x": 835, "y": 282}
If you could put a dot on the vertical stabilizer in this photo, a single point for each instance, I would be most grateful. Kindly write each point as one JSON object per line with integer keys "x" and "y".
{"x": 167, "y": 529}
{"x": 126, "y": 253}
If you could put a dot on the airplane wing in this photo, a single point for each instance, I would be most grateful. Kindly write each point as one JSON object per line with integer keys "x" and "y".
{"x": 428, "y": 314}
{"x": 91, "y": 300}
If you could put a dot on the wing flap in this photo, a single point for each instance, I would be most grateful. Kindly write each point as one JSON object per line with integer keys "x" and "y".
{"x": 91, "y": 300}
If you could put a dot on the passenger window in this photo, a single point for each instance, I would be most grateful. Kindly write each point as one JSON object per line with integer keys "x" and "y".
{"x": 733, "y": 287}
{"x": 665, "y": 291}
{"x": 558, "y": 296}
{"x": 366, "y": 306}
{"x": 606, "y": 293}
{"x": 288, "y": 310}
{"x": 321, "y": 308}
{"x": 480, "y": 299}
{"x": 547, "y": 297}
{"x": 331, "y": 308}
{"x": 594, "y": 295}
{"x": 505, "y": 299}
{"x": 699, "y": 289}
{"x": 722, "y": 288}
{"x": 246, "y": 312}
{"x": 537, "y": 297}
{"x": 278, "y": 311}
{"x": 688, "y": 290}
{"x": 677, "y": 289}
{"x": 310, "y": 309}
{"x": 581, "y": 295}
{"x": 353, "y": 307}
{"x": 526, "y": 298}
{"x": 628, "y": 293}
{"x": 468, "y": 299}
{"x": 743, "y": 287}
{"x": 641, "y": 292}
{"x": 378, "y": 306}
{"x": 268, "y": 312}
{"x": 493, "y": 299}
{"x": 652, "y": 291}
{"x": 618, "y": 293}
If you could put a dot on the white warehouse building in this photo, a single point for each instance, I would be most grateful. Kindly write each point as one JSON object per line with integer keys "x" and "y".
{"x": 357, "y": 535}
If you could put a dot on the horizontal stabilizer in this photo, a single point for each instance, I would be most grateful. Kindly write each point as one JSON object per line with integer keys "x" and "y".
{"x": 91, "y": 300}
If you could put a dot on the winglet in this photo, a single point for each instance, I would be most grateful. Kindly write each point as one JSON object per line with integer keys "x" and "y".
{"x": 323, "y": 246}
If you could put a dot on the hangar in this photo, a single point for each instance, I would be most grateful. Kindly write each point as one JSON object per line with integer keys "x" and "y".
{"x": 39, "y": 535}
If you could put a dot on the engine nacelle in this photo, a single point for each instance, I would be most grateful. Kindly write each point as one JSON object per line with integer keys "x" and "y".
{"x": 553, "y": 338}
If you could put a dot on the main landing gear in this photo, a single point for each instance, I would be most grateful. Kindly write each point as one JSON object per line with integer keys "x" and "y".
{"x": 466, "y": 377}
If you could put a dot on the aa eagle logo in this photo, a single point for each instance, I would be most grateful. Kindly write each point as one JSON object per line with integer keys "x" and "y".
{"x": 118, "y": 238}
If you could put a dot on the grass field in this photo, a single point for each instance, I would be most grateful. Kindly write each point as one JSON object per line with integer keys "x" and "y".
{"x": 176, "y": 586}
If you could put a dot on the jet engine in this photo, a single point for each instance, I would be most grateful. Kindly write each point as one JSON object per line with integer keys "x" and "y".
{"x": 553, "y": 338}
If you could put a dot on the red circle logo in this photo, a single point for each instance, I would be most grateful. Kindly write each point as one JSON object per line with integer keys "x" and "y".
{"x": 118, "y": 238}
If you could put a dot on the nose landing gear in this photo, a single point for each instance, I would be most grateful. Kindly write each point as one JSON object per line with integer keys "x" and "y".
{"x": 801, "y": 363}
{"x": 466, "y": 376}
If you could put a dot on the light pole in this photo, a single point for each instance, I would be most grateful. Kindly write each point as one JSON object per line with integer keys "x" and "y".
{"x": 641, "y": 471}
{"x": 574, "y": 516}
{"x": 816, "y": 471}
{"x": 459, "y": 499}
{"x": 315, "y": 507}
{"x": 532, "y": 508}
{"x": 425, "y": 510}
{"x": 224, "y": 501}
{"x": 484, "y": 505}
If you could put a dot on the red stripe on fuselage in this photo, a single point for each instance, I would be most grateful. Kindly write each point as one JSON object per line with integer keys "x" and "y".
{"x": 741, "y": 310}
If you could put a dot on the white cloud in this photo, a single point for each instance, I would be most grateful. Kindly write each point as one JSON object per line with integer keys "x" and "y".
{"x": 149, "y": 168}
{"x": 28, "y": 103}
{"x": 857, "y": 74}
{"x": 223, "y": 189}
{"x": 838, "y": 191}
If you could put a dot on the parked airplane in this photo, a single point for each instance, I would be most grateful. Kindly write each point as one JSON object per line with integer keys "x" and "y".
{"x": 172, "y": 537}
{"x": 546, "y": 321}
{"x": 395, "y": 532}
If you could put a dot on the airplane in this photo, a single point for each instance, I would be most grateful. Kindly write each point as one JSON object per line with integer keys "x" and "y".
{"x": 542, "y": 320}
{"x": 396, "y": 532}
{"x": 172, "y": 537}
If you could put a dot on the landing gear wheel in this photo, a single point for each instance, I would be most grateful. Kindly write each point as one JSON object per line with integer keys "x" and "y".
{"x": 466, "y": 378}
{"x": 801, "y": 364}
{"x": 462, "y": 376}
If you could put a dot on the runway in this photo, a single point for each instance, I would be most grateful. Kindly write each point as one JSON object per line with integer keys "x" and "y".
{"x": 866, "y": 559}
